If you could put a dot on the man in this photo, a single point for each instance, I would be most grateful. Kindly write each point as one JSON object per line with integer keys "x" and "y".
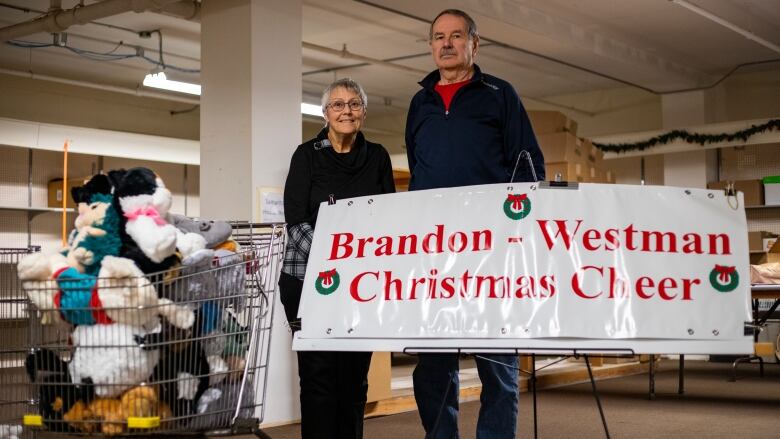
{"x": 466, "y": 128}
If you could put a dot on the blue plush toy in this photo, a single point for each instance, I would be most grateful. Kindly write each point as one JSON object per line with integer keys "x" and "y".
{"x": 96, "y": 235}
{"x": 76, "y": 298}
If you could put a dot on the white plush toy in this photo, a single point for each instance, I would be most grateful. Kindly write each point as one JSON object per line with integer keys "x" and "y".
{"x": 129, "y": 297}
{"x": 146, "y": 223}
{"x": 120, "y": 294}
{"x": 111, "y": 356}
{"x": 189, "y": 243}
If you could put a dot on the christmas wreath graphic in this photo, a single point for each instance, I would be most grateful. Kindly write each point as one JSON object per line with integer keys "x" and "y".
{"x": 724, "y": 279}
{"x": 327, "y": 282}
{"x": 517, "y": 206}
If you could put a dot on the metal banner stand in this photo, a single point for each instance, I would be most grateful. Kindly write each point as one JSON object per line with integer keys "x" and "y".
{"x": 574, "y": 352}
{"x": 596, "y": 395}
{"x": 758, "y": 291}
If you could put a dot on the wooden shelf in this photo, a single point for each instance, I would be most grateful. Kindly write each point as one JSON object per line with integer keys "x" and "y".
{"x": 771, "y": 206}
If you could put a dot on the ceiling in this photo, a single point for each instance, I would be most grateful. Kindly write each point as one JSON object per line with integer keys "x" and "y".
{"x": 545, "y": 48}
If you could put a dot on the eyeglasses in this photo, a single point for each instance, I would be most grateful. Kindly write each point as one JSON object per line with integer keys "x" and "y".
{"x": 338, "y": 106}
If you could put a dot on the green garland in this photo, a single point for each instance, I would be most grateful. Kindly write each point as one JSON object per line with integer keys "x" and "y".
{"x": 701, "y": 139}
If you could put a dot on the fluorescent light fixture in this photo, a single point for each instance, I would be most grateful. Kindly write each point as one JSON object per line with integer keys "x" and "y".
{"x": 158, "y": 80}
{"x": 311, "y": 109}
{"x": 727, "y": 24}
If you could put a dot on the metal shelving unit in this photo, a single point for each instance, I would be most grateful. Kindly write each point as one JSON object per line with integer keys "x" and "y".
{"x": 36, "y": 210}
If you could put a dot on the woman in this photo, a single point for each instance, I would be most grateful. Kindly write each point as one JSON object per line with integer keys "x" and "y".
{"x": 339, "y": 163}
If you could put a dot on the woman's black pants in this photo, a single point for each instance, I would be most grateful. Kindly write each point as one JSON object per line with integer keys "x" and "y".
{"x": 333, "y": 384}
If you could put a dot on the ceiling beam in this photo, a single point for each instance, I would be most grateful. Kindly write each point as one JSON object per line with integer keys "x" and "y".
{"x": 59, "y": 20}
{"x": 727, "y": 24}
{"x": 344, "y": 53}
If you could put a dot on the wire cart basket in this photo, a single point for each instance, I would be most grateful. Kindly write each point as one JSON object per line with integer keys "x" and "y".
{"x": 14, "y": 339}
{"x": 183, "y": 351}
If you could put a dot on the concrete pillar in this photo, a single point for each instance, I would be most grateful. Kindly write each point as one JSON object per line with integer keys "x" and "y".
{"x": 250, "y": 107}
{"x": 691, "y": 168}
{"x": 250, "y": 125}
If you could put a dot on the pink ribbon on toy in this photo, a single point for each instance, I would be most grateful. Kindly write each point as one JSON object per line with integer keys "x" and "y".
{"x": 150, "y": 211}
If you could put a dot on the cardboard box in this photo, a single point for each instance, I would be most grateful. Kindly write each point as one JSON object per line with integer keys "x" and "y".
{"x": 55, "y": 191}
{"x": 401, "y": 178}
{"x": 773, "y": 255}
{"x": 379, "y": 377}
{"x": 753, "y": 190}
{"x": 764, "y": 349}
{"x": 561, "y": 147}
{"x": 568, "y": 171}
{"x": 592, "y": 154}
{"x": 545, "y": 122}
{"x": 772, "y": 190}
{"x": 601, "y": 176}
{"x": 768, "y": 243}
{"x": 760, "y": 241}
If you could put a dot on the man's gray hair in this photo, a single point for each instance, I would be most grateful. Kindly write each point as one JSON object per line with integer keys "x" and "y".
{"x": 471, "y": 25}
{"x": 347, "y": 83}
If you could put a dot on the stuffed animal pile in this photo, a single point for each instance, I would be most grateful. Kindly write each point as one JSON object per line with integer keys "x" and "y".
{"x": 150, "y": 300}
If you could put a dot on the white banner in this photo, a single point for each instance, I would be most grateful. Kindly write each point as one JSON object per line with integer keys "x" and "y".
{"x": 610, "y": 266}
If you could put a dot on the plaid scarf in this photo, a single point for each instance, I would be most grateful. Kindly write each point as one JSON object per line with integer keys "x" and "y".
{"x": 296, "y": 254}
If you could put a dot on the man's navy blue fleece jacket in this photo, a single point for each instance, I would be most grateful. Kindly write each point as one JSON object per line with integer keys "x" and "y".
{"x": 477, "y": 141}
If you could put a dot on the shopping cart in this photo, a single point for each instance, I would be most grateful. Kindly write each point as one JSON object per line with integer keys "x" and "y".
{"x": 14, "y": 340}
{"x": 178, "y": 352}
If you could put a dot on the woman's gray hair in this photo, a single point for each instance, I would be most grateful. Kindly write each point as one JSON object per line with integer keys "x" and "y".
{"x": 347, "y": 83}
